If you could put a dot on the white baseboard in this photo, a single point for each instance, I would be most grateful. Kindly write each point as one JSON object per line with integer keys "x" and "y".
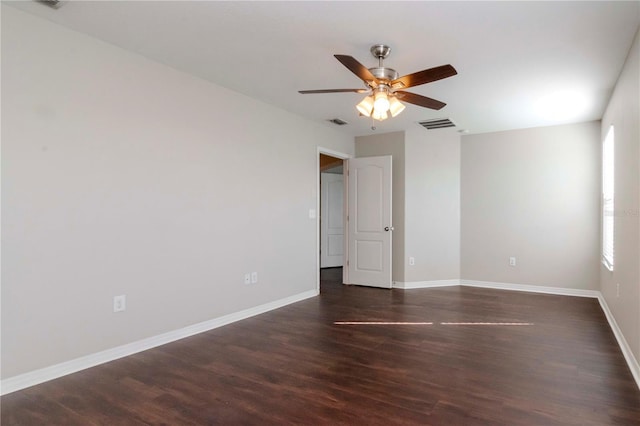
{"x": 42, "y": 375}
{"x": 560, "y": 291}
{"x": 632, "y": 362}
{"x": 425, "y": 284}
{"x": 495, "y": 285}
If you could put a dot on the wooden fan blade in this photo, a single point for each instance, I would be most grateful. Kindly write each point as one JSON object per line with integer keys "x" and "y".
{"x": 307, "y": 92}
{"x": 358, "y": 69}
{"x": 424, "y": 76}
{"x": 419, "y": 100}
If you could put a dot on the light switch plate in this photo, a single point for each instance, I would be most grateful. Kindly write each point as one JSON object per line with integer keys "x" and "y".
{"x": 119, "y": 303}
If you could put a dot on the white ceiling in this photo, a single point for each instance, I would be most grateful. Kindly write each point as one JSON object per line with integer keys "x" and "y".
{"x": 513, "y": 58}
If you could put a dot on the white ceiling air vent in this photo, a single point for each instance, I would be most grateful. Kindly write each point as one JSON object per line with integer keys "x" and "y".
{"x": 337, "y": 121}
{"x": 439, "y": 123}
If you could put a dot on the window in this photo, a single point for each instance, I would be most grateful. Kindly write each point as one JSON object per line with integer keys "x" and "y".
{"x": 607, "y": 200}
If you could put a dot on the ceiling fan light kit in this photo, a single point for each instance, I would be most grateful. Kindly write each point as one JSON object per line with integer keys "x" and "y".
{"x": 395, "y": 106}
{"x": 365, "y": 107}
{"x": 384, "y": 88}
{"x": 380, "y": 105}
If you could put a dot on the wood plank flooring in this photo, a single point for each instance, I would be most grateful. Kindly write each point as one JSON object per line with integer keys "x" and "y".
{"x": 297, "y": 366}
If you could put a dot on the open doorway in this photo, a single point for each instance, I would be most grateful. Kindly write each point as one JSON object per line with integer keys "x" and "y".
{"x": 331, "y": 212}
{"x": 331, "y": 219}
{"x": 364, "y": 218}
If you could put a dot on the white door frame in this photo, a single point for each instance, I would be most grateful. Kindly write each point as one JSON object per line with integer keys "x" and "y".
{"x": 343, "y": 156}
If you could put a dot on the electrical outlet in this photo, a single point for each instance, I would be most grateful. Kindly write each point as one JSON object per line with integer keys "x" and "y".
{"x": 119, "y": 303}
{"x": 512, "y": 261}
{"x": 247, "y": 278}
{"x": 412, "y": 261}
{"x": 254, "y": 277}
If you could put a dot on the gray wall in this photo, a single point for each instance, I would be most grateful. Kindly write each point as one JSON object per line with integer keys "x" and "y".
{"x": 390, "y": 144}
{"x": 426, "y": 201}
{"x": 532, "y": 194}
{"x": 623, "y": 112}
{"x": 123, "y": 176}
{"x": 432, "y": 204}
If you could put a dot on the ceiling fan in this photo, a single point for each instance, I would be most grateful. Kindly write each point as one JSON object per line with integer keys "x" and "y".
{"x": 385, "y": 89}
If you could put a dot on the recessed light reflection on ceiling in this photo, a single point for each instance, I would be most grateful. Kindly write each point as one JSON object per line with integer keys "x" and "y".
{"x": 428, "y": 323}
{"x": 563, "y": 104}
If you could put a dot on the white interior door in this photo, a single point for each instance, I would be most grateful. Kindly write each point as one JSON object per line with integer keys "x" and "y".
{"x": 331, "y": 220}
{"x": 369, "y": 221}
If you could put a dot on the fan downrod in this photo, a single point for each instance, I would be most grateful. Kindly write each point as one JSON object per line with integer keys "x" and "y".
{"x": 381, "y": 51}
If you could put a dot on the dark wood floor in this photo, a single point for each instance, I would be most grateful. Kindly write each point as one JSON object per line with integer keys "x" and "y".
{"x": 296, "y": 366}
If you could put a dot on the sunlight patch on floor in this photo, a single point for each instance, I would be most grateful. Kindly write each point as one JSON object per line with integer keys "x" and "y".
{"x": 486, "y": 323}
{"x": 380, "y": 323}
{"x": 429, "y": 323}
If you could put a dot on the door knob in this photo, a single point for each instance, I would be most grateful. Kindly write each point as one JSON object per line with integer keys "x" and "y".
{"x": 387, "y": 228}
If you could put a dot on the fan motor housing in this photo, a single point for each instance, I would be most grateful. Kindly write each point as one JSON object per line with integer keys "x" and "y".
{"x": 384, "y": 73}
